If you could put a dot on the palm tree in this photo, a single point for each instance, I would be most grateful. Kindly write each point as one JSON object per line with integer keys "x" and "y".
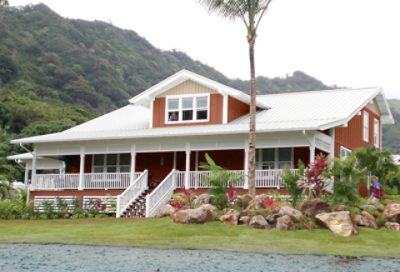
{"x": 251, "y": 13}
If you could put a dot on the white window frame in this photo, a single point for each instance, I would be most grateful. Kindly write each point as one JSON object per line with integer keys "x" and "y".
{"x": 261, "y": 163}
{"x": 105, "y": 165}
{"x": 366, "y": 126}
{"x": 344, "y": 150}
{"x": 194, "y": 108}
{"x": 376, "y": 132}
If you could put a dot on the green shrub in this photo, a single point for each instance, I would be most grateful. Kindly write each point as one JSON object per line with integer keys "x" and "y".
{"x": 8, "y": 209}
{"x": 48, "y": 209}
{"x": 380, "y": 220}
{"x": 290, "y": 180}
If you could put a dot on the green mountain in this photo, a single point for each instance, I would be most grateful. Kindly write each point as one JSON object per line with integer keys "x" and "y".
{"x": 57, "y": 72}
{"x": 391, "y": 134}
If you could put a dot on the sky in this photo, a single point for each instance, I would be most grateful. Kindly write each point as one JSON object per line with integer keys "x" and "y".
{"x": 350, "y": 43}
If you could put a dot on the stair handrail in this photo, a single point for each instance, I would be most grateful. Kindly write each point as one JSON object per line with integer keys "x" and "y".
{"x": 161, "y": 194}
{"x": 138, "y": 186}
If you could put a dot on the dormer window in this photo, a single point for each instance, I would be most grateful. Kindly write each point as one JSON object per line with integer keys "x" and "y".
{"x": 187, "y": 108}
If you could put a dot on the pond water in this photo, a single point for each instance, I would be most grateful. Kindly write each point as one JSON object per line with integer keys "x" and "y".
{"x": 98, "y": 258}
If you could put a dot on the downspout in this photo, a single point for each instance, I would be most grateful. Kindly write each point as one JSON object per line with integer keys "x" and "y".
{"x": 28, "y": 189}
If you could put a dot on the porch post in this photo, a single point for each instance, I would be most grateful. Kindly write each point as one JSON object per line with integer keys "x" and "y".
{"x": 187, "y": 169}
{"x": 81, "y": 169}
{"x": 26, "y": 177}
{"x": 33, "y": 174}
{"x": 196, "y": 168}
{"x": 246, "y": 168}
{"x": 312, "y": 153}
{"x": 133, "y": 164}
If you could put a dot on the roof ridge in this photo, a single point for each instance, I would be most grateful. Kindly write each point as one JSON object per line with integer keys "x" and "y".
{"x": 320, "y": 91}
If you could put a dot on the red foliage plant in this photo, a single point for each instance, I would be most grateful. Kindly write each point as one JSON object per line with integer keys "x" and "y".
{"x": 269, "y": 203}
{"x": 176, "y": 204}
{"x": 313, "y": 175}
{"x": 231, "y": 192}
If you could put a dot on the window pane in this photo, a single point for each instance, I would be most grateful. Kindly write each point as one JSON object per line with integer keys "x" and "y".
{"x": 187, "y": 102}
{"x": 201, "y": 102}
{"x": 98, "y": 169}
{"x": 111, "y": 169}
{"x": 268, "y": 154}
{"x": 187, "y": 115}
{"x": 173, "y": 116}
{"x": 112, "y": 159}
{"x": 173, "y": 103}
{"x": 285, "y": 154}
{"x": 124, "y": 159}
{"x": 124, "y": 169}
{"x": 202, "y": 115}
{"x": 285, "y": 165}
{"x": 99, "y": 159}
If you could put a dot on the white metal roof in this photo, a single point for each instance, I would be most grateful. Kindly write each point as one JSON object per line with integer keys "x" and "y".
{"x": 317, "y": 110}
{"x": 147, "y": 96}
{"x": 327, "y": 108}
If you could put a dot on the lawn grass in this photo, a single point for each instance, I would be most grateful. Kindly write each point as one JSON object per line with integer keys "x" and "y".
{"x": 162, "y": 233}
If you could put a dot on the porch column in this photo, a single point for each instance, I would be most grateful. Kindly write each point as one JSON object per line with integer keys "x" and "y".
{"x": 332, "y": 149}
{"x": 81, "y": 169}
{"x": 246, "y": 168}
{"x": 26, "y": 177}
{"x": 133, "y": 164}
{"x": 187, "y": 169}
{"x": 33, "y": 174}
{"x": 312, "y": 153}
{"x": 196, "y": 168}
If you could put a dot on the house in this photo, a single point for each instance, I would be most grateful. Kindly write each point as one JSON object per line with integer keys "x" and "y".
{"x": 396, "y": 159}
{"x": 147, "y": 149}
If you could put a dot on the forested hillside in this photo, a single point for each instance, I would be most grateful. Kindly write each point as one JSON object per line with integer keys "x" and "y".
{"x": 57, "y": 72}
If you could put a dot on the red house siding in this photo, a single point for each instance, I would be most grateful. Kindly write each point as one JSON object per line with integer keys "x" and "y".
{"x": 351, "y": 137}
{"x": 236, "y": 109}
{"x": 73, "y": 167}
{"x": 215, "y": 112}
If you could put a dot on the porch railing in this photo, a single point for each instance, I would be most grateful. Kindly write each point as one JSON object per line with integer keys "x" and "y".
{"x": 161, "y": 194}
{"x": 90, "y": 181}
{"x": 264, "y": 178}
{"x": 131, "y": 193}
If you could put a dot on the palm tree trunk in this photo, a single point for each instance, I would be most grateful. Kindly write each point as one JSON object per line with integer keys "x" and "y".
{"x": 252, "y": 129}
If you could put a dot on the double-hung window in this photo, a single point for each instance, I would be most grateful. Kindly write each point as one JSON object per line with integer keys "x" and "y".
{"x": 111, "y": 163}
{"x": 366, "y": 126}
{"x": 376, "y": 132}
{"x": 274, "y": 158}
{"x": 344, "y": 152}
{"x": 193, "y": 108}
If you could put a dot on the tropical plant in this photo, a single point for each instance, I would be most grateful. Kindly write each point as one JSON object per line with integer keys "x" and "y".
{"x": 313, "y": 182}
{"x": 5, "y": 189}
{"x": 290, "y": 181}
{"x": 219, "y": 181}
{"x": 250, "y": 12}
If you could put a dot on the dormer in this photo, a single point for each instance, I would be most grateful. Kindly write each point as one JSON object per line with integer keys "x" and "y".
{"x": 187, "y": 98}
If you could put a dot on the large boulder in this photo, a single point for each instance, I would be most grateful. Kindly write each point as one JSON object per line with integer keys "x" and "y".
{"x": 244, "y": 200}
{"x": 272, "y": 219}
{"x": 166, "y": 210}
{"x": 365, "y": 221}
{"x": 339, "y": 223}
{"x": 314, "y": 206}
{"x": 392, "y": 226}
{"x": 258, "y": 222}
{"x": 285, "y": 223}
{"x": 290, "y": 211}
{"x": 258, "y": 202}
{"x": 392, "y": 210}
{"x": 231, "y": 217}
{"x": 244, "y": 219}
{"x": 198, "y": 216}
{"x": 202, "y": 199}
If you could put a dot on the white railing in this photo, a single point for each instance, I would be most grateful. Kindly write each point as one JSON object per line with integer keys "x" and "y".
{"x": 90, "y": 181}
{"x": 200, "y": 179}
{"x": 107, "y": 180}
{"x": 161, "y": 194}
{"x": 55, "y": 181}
{"x": 264, "y": 178}
{"x": 131, "y": 193}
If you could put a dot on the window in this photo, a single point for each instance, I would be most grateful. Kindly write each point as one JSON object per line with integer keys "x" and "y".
{"x": 376, "y": 132}
{"x": 187, "y": 108}
{"x": 274, "y": 158}
{"x": 111, "y": 163}
{"x": 366, "y": 126}
{"x": 344, "y": 152}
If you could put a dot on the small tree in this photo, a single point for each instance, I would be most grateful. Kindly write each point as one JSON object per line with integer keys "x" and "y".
{"x": 290, "y": 181}
{"x": 313, "y": 182}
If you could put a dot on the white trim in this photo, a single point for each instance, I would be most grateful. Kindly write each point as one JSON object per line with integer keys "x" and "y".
{"x": 151, "y": 113}
{"x": 181, "y": 109}
{"x": 366, "y": 126}
{"x": 342, "y": 148}
{"x": 225, "y": 103}
{"x": 377, "y": 133}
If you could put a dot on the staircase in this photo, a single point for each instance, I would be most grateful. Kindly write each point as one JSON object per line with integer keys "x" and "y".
{"x": 137, "y": 208}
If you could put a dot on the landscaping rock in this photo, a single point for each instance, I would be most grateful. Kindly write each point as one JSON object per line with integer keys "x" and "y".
{"x": 392, "y": 210}
{"x": 365, "y": 221}
{"x": 272, "y": 219}
{"x": 257, "y": 202}
{"x": 339, "y": 208}
{"x": 202, "y": 199}
{"x": 244, "y": 200}
{"x": 167, "y": 210}
{"x": 258, "y": 222}
{"x": 373, "y": 200}
{"x": 198, "y": 216}
{"x": 368, "y": 215}
{"x": 231, "y": 217}
{"x": 338, "y": 222}
{"x": 245, "y": 219}
{"x": 285, "y": 223}
{"x": 292, "y": 212}
{"x": 314, "y": 206}
{"x": 392, "y": 226}
{"x": 368, "y": 207}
